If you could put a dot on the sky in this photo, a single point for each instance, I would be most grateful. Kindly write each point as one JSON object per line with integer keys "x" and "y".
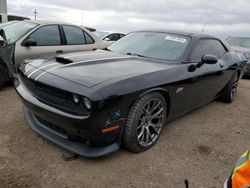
{"x": 218, "y": 17}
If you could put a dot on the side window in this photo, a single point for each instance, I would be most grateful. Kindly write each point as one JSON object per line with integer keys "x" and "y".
{"x": 113, "y": 37}
{"x": 221, "y": 49}
{"x": 89, "y": 39}
{"x": 74, "y": 35}
{"x": 116, "y": 37}
{"x": 203, "y": 47}
{"x": 47, "y": 36}
{"x": 122, "y": 35}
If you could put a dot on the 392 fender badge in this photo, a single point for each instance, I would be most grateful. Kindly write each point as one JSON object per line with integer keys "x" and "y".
{"x": 179, "y": 89}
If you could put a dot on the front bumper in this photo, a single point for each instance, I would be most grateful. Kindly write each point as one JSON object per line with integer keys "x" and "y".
{"x": 79, "y": 134}
{"x": 75, "y": 147}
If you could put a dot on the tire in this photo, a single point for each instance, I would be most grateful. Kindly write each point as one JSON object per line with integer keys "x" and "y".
{"x": 3, "y": 76}
{"x": 230, "y": 91}
{"x": 141, "y": 122}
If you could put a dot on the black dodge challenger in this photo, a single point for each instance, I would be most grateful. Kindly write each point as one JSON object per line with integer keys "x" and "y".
{"x": 91, "y": 103}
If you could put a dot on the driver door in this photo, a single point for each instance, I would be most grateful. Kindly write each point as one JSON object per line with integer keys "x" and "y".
{"x": 205, "y": 83}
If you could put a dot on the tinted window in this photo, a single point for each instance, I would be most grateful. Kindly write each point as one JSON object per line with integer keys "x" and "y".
{"x": 89, "y": 39}
{"x": 154, "y": 45}
{"x": 206, "y": 46}
{"x": 113, "y": 37}
{"x": 122, "y": 35}
{"x": 221, "y": 49}
{"x": 74, "y": 35}
{"x": 47, "y": 36}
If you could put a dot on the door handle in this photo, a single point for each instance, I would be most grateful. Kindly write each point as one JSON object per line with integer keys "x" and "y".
{"x": 59, "y": 51}
{"x": 221, "y": 66}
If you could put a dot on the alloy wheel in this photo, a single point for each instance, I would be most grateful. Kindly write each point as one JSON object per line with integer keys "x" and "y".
{"x": 151, "y": 122}
{"x": 234, "y": 87}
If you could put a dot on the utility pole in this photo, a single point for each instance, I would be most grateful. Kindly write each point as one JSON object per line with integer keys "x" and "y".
{"x": 35, "y": 13}
{"x": 3, "y": 10}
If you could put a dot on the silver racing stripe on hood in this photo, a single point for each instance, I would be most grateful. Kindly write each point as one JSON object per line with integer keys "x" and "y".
{"x": 80, "y": 62}
{"x": 29, "y": 68}
{"x": 40, "y": 68}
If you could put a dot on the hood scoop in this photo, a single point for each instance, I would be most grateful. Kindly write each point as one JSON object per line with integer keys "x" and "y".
{"x": 63, "y": 60}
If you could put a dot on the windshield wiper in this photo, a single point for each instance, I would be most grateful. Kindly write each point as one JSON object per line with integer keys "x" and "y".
{"x": 134, "y": 54}
{"x": 107, "y": 49}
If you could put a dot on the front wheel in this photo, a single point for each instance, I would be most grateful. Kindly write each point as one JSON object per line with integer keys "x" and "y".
{"x": 145, "y": 121}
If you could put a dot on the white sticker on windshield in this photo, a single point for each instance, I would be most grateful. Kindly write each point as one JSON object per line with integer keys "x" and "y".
{"x": 176, "y": 39}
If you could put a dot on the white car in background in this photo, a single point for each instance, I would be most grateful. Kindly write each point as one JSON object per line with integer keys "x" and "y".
{"x": 107, "y": 37}
{"x": 26, "y": 39}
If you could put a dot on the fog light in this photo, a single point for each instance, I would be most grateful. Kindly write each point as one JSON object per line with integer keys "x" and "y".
{"x": 87, "y": 103}
{"x": 76, "y": 98}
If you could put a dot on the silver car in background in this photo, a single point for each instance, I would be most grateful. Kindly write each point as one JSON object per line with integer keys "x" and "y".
{"x": 107, "y": 37}
{"x": 241, "y": 44}
{"x": 26, "y": 39}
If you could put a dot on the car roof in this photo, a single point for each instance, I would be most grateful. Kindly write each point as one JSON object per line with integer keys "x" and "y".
{"x": 180, "y": 32}
{"x": 46, "y": 22}
{"x": 43, "y": 22}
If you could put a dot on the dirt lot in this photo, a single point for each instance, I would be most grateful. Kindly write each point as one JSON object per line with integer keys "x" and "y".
{"x": 201, "y": 146}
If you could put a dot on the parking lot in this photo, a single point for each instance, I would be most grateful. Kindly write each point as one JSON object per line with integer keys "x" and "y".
{"x": 202, "y": 147}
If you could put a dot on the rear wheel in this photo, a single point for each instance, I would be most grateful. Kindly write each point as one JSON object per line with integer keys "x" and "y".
{"x": 3, "y": 76}
{"x": 145, "y": 121}
{"x": 230, "y": 91}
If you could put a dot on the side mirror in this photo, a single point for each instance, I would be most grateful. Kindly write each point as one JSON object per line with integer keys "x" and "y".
{"x": 30, "y": 42}
{"x": 2, "y": 41}
{"x": 206, "y": 59}
{"x": 209, "y": 59}
{"x": 107, "y": 39}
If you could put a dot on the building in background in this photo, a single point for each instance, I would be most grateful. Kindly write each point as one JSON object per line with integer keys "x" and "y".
{"x": 4, "y": 17}
{"x": 12, "y": 18}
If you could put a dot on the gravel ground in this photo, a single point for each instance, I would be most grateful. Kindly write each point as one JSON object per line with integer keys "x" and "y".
{"x": 201, "y": 146}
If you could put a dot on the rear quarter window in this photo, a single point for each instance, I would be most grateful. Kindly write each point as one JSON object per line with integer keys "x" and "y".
{"x": 89, "y": 39}
{"x": 74, "y": 35}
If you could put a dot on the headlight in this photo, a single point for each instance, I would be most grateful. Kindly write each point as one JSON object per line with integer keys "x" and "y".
{"x": 87, "y": 103}
{"x": 76, "y": 98}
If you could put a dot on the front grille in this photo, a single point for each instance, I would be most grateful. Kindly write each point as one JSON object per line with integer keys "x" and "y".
{"x": 54, "y": 97}
{"x": 51, "y": 126}
{"x": 61, "y": 131}
{"x": 31, "y": 84}
{"x": 52, "y": 90}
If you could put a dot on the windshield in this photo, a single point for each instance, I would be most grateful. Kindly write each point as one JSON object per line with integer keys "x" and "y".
{"x": 153, "y": 45}
{"x": 100, "y": 34}
{"x": 16, "y": 30}
{"x": 239, "y": 41}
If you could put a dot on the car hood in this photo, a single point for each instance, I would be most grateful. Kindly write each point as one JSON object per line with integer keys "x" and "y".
{"x": 90, "y": 68}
